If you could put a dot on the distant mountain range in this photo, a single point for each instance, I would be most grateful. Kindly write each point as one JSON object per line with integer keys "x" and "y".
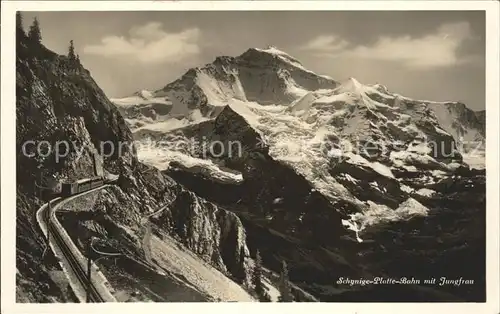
{"x": 310, "y": 122}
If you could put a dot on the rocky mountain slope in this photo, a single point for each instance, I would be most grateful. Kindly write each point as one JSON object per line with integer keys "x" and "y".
{"x": 272, "y": 77}
{"x": 331, "y": 133}
{"x": 315, "y": 165}
{"x": 57, "y": 102}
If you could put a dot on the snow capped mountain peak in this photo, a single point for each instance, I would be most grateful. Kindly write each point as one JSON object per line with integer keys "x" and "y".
{"x": 267, "y": 86}
{"x": 266, "y": 76}
{"x": 272, "y": 50}
{"x": 310, "y": 122}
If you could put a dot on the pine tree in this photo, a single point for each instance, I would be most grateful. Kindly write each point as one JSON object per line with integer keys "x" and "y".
{"x": 19, "y": 24}
{"x": 34, "y": 33}
{"x": 257, "y": 275}
{"x": 241, "y": 275}
{"x": 78, "y": 59}
{"x": 284, "y": 285}
{"x": 71, "y": 52}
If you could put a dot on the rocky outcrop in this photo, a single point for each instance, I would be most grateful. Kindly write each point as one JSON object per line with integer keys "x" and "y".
{"x": 467, "y": 119}
{"x": 215, "y": 234}
{"x": 266, "y": 76}
{"x": 276, "y": 59}
{"x": 59, "y": 102}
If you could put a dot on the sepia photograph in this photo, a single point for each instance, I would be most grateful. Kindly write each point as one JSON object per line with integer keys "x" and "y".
{"x": 261, "y": 155}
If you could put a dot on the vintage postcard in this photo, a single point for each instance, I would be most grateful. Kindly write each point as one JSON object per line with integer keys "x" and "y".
{"x": 172, "y": 154}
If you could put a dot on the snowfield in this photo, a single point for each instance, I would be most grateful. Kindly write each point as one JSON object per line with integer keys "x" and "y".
{"x": 311, "y": 122}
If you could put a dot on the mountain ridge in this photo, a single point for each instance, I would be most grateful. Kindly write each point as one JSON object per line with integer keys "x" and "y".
{"x": 206, "y": 88}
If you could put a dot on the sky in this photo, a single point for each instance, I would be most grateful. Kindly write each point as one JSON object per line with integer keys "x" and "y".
{"x": 429, "y": 55}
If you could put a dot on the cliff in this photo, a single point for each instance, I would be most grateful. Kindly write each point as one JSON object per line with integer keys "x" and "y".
{"x": 66, "y": 129}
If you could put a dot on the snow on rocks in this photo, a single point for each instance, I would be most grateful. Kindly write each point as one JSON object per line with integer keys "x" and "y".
{"x": 411, "y": 208}
{"x": 376, "y": 213}
{"x": 300, "y": 115}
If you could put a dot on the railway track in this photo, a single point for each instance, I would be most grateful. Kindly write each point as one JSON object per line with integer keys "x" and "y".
{"x": 79, "y": 270}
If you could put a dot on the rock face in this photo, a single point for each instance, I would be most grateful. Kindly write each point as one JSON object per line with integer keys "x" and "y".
{"x": 59, "y": 102}
{"x": 265, "y": 76}
{"x": 466, "y": 126}
{"x": 215, "y": 234}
